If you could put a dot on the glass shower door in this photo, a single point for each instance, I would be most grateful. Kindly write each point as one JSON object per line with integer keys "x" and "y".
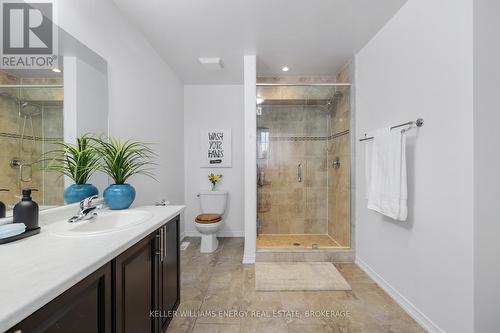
{"x": 31, "y": 121}
{"x": 292, "y": 183}
{"x": 301, "y": 194}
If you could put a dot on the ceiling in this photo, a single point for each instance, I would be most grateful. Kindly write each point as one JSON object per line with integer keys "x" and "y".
{"x": 312, "y": 37}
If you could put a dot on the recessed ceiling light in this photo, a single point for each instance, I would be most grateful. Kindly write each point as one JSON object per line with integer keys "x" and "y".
{"x": 56, "y": 70}
{"x": 285, "y": 68}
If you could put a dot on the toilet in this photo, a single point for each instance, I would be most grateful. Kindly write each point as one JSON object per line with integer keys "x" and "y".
{"x": 213, "y": 205}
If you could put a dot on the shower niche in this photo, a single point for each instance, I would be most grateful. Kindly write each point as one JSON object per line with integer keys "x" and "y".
{"x": 303, "y": 166}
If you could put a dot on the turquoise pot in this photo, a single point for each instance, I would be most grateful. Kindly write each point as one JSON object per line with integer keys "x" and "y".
{"x": 78, "y": 192}
{"x": 119, "y": 196}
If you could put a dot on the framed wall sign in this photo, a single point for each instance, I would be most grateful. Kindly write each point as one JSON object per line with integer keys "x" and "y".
{"x": 215, "y": 148}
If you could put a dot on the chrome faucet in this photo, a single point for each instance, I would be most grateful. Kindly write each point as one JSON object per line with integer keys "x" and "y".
{"x": 87, "y": 210}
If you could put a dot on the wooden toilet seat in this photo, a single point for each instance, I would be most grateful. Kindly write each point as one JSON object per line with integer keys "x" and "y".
{"x": 208, "y": 218}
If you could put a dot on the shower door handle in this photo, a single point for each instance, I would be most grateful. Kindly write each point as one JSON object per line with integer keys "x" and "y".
{"x": 299, "y": 172}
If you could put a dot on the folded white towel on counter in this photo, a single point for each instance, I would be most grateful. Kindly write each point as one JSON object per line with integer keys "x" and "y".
{"x": 387, "y": 189}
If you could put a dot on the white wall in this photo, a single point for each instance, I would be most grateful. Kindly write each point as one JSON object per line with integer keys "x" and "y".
{"x": 486, "y": 162}
{"x": 213, "y": 107}
{"x": 145, "y": 95}
{"x": 250, "y": 171}
{"x": 420, "y": 65}
{"x": 85, "y": 106}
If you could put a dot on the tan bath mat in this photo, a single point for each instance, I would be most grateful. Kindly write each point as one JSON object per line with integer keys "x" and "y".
{"x": 298, "y": 276}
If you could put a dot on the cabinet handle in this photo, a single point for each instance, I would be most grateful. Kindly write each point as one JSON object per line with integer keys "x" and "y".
{"x": 158, "y": 243}
{"x": 162, "y": 240}
{"x": 165, "y": 242}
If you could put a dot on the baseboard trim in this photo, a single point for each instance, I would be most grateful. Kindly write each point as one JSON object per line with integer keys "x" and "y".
{"x": 194, "y": 233}
{"x": 248, "y": 260}
{"x": 411, "y": 309}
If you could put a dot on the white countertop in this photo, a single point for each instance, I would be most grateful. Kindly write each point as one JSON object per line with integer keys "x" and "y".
{"x": 37, "y": 269}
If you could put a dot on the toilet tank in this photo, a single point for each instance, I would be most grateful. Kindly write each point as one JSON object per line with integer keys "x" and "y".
{"x": 213, "y": 202}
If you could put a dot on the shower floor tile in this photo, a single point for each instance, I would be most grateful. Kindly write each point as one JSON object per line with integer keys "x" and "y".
{"x": 275, "y": 241}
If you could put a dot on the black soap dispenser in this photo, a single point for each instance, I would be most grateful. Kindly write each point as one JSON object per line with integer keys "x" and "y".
{"x": 26, "y": 211}
{"x": 2, "y": 205}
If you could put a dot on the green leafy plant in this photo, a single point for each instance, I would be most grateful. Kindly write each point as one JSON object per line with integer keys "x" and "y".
{"x": 77, "y": 161}
{"x": 121, "y": 160}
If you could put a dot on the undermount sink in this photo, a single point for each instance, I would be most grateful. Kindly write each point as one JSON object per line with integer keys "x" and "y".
{"x": 105, "y": 222}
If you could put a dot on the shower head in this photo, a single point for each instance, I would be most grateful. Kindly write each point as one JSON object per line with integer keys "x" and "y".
{"x": 26, "y": 108}
{"x": 334, "y": 100}
{"x": 29, "y": 109}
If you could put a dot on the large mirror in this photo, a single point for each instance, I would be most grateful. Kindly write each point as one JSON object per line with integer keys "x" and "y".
{"x": 41, "y": 107}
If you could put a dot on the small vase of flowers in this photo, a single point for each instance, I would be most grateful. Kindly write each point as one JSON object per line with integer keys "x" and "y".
{"x": 214, "y": 179}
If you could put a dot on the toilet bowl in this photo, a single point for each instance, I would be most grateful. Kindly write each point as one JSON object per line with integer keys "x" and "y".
{"x": 213, "y": 206}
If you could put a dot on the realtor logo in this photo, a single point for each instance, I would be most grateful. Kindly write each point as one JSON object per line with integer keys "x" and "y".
{"x": 28, "y": 35}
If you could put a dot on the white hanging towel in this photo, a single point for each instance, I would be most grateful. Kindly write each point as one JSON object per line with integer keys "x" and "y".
{"x": 368, "y": 167}
{"x": 388, "y": 184}
{"x": 368, "y": 158}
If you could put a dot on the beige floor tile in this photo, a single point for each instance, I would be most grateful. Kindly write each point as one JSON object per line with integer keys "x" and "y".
{"x": 223, "y": 304}
{"x": 263, "y": 325}
{"x": 216, "y": 328}
{"x": 219, "y": 282}
{"x": 181, "y": 325}
{"x": 316, "y": 328}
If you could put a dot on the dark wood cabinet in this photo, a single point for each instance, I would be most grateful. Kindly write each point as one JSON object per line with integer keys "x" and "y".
{"x": 134, "y": 289}
{"x": 147, "y": 282}
{"x": 84, "y": 308}
{"x": 122, "y": 295}
{"x": 169, "y": 273}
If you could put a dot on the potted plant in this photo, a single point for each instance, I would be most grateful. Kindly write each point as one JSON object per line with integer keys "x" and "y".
{"x": 78, "y": 162}
{"x": 121, "y": 160}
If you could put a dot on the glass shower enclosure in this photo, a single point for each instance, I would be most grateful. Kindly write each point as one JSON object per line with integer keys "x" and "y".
{"x": 31, "y": 122}
{"x": 303, "y": 166}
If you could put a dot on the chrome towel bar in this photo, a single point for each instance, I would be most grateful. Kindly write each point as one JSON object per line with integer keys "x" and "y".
{"x": 419, "y": 123}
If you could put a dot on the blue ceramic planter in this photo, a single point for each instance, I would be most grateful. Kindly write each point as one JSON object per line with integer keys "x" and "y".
{"x": 119, "y": 196}
{"x": 78, "y": 192}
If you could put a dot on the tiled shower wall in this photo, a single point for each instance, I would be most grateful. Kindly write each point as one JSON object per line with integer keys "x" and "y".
{"x": 339, "y": 194}
{"x": 296, "y": 134}
{"x": 48, "y": 127}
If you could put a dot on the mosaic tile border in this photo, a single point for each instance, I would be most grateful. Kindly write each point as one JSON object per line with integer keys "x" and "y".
{"x": 308, "y": 138}
{"x": 28, "y": 137}
{"x": 298, "y": 138}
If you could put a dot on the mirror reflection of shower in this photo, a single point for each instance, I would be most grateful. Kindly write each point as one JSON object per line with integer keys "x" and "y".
{"x": 31, "y": 111}
{"x": 26, "y": 132}
{"x": 27, "y": 111}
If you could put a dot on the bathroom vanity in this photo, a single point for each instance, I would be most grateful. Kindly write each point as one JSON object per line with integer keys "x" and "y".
{"x": 128, "y": 281}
